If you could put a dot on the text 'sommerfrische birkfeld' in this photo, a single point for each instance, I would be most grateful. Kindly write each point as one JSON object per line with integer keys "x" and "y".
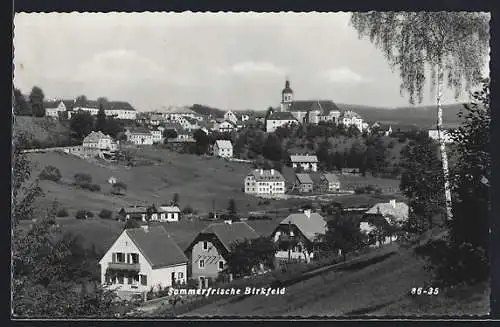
{"x": 227, "y": 291}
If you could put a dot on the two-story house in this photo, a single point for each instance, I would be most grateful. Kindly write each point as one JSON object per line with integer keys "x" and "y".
{"x": 142, "y": 259}
{"x": 223, "y": 148}
{"x": 208, "y": 252}
{"x": 306, "y": 161}
{"x": 298, "y": 235}
{"x": 171, "y": 212}
{"x": 139, "y": 136}
{"x": 231, "y": 116}
{"x": 264, "y": 182}
{"x": 329, "y": 183}
{"x": 279, "y": 119}
{"x": 303, "y": 183}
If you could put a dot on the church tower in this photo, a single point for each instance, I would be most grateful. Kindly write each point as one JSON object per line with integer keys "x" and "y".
{"x": 286, "y": 96}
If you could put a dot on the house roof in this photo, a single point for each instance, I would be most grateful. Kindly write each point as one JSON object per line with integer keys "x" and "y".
{"x": 228, "y": 234}
{"x": 281, "y": 115}
{"x": 191, "y": 120}
{"x": 157, "y": 246}
{"x": 139, "y": 130}
{"x": 223, "y": 144}
{"x": 135, "y": 209}
{"x": 96, "y": 136}
{"x": 169, "y": 208}
{"x": 304, "y": 178}
{"x": 304, "y": 158}
{"x": 324, "y": 106}
{"x": 350, "y": 114}
{"x": 308, "y": 226}
{"x": 399, "y": 211}
{"x": 55, "y": 103}
{"x": 262, "y": 175}
{"x": 331, "y": 178}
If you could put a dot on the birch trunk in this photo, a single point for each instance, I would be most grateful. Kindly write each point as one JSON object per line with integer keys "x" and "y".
{"x": 442, "y": 145}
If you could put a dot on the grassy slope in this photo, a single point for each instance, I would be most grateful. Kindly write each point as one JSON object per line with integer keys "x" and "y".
{"x": 379, "y": 289}
{"x": 44, "y": 130}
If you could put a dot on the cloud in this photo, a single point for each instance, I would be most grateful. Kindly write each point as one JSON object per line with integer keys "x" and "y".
{"x": 251, "y": 68}
{"x": 118, "y": 66}
{"x": 344, "y": 75}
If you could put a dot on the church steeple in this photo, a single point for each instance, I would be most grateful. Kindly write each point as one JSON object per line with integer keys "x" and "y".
{"x": 286, "y": 96}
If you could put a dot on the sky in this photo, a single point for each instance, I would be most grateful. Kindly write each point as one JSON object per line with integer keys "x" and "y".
{"x": 230, "y": 61}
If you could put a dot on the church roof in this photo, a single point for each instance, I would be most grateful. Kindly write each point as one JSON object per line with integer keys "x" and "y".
{"x": 287, "y": 88}
{"x": 324, "y": 106}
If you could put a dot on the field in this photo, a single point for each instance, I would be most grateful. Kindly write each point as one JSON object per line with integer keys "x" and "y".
{"x": 45, "y": 131}
{"x": 382, "y": 288}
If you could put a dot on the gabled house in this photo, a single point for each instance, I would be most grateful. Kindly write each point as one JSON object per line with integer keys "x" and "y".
{"x": 306, "y": 161}
{"x": 139, "y": 136}
{"x": 142, "y": 259}
{"x": 393, "y": 212}
{"x": 208, "y": 252}
{"x": 298, "y": 235}
{"x": 350, "y": 118}
{"x": 223, "y": 148}
{"x": 99, "y": 140}
{"x": 171, "y": 212}
{"x": 329, "y": 183}
{"x": 264, "y": 182}
{"x": 133, "y": 212}
{"x": 230, "y": 116}
{"x": 303, "y": 183}
{"x": 279, "y": 119}
{"x": 54, "y": 108}
{"x": 224, "y": 126}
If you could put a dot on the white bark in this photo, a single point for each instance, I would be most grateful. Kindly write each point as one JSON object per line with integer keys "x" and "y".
{"x": 442, "y": 145}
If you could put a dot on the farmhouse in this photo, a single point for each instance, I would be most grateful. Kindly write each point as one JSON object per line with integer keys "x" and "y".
{"x": 264, "y": 182}
{"x": 329, "y": 183}
{"x": 138, "y": 261}
{"x": 296, "y": 236}
{"x": 133, "y": 212}
{"x": 54, "y": 108}
{"x": 209, "y": 251}
{"x": 139, "y": 136}
{"x": 171, "y": 212}
{"x": 224, "y": 126}
{"x": 306, "y": 161}
{"x": 99, "y": 140}
{"x": 350, "y": 118}
{"x": 223, "y": 148}
{"x": 230, "y": 116}
{"x": 393, "y": 212}
{"x": 279, "y": 119}
{"x": 304, "y": 183}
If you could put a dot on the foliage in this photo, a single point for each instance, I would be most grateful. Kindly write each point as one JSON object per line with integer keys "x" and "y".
{"x": 202, "y": 142}
{"x": 81, "y": 214}
{"x": 232, "y": 207}
{"x": 36, "y": 102}
{"x": 169, "y": 133}
{"x": 106, "y": 214}
{"x": 62, "y": 212}
{"x": 50, "y": 173}
{"x": 100, "y": 119}
{"x": 21, "y": 106}
{"x": 118, "y": 188}
{"x": 81, "y": 124}
{"x": 247, "y": 255}
{"x": 82, "y": 178}
{"x": 132, "y": 223}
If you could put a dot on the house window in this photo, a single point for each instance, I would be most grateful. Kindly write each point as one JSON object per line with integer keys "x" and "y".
{"x": 201, "y": 264}
{"x": 135, "y": 280}
{"x": 205, "y": 245}
{"x": 180, "y": 275}
{"x": 120, "y": 257}
{"x": 221, "y": 265}
{"x": 144, "y": 280}
{"x": 120, "y": 279}
{"x": 134, "y": 258}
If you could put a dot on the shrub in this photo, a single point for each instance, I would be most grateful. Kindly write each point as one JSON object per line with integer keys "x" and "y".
{"x": 81, "y": 214}
{"x": 51, "y": 173}
{"x": 187, "y": 210}
{"x": 62, "y": 212}
{"x": 106, "y": 214}
{"x": 90, "y": 214}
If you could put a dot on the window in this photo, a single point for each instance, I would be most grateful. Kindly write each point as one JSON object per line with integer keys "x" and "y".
{"x": 144, "y": 280}
{"x": 221, "y": 265}
{"x": 205, "y": 245}
{"x": 135, "y": 280}
{"x": 120, "y": 279}
{"x": 201, "y": 263}
{"x": 120, "y": 257}
{"x": 180, "y": 275}
{"x": 134, "y": 258}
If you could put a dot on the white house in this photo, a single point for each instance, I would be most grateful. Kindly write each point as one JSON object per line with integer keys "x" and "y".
{"x": 157, "y": 135}
{"x": 393, "y": 212}
{"x": 223, "y": 148}
{"x": 116, "y": 109}
{"x": 306, "y": 161}
{"x": 278, "y": 119}
{"x": 139, "y": 136}
{"x": 142, "y": 259}
{"x": 53, "y": 108}
{"x": 264, "y": 182}
{"x": 350, "y": 118}
{"x": 230, "y": 116}
{"x": 225, "y": 126}
{"x": 99, "y": 140}
{"x": 297, "y": 235}
{"x": 171, "y": 212}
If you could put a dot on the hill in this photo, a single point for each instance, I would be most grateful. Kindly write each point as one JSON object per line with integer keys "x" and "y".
{"x": 42, "y": 131}
{"x": 377, "y": 289}
{"x": 208, "y": 111}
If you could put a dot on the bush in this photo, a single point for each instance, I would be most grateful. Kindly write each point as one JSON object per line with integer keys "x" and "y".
{"x": 81, "y": 214}
{"x": 90, "y": 214}
{"x": 106, "y": 214}
{"x": 187, "y": 210}
{"x": 62, "y": 213}
{"x": 51, "y": 173}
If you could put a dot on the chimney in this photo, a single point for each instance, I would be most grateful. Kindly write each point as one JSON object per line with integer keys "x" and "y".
{"x": 307, "y": 212}
{"x": 393, "y": 203}
{"x": 272, "y": 171}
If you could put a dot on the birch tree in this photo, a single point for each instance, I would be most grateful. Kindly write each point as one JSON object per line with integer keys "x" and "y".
{"x": 443, "y": 47}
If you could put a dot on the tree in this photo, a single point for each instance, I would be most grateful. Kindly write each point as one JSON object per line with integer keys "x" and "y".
{"x": 452, "y": 44}
{"x": 36, "y": 101}
{"x": 81, "y": 124}
{"x": 118, "y": 188}
{"x": 113, "y": 127}
{"x": 247, "y": 255}
{"x": 272, "y": 149}
{"x": 100, "y": 120}
{"x": 81, "y": 101}
{"x": 202, "y": 141}
{"x": 232, "y": 207}
{"x": 170, "y": 133}
{"x": 50, "y": 173}
{"x": 21, "y": 106}
{"x": 175, "y": 199}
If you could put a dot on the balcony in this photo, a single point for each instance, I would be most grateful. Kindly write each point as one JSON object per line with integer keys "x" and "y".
{"x": 124, "y": 266}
